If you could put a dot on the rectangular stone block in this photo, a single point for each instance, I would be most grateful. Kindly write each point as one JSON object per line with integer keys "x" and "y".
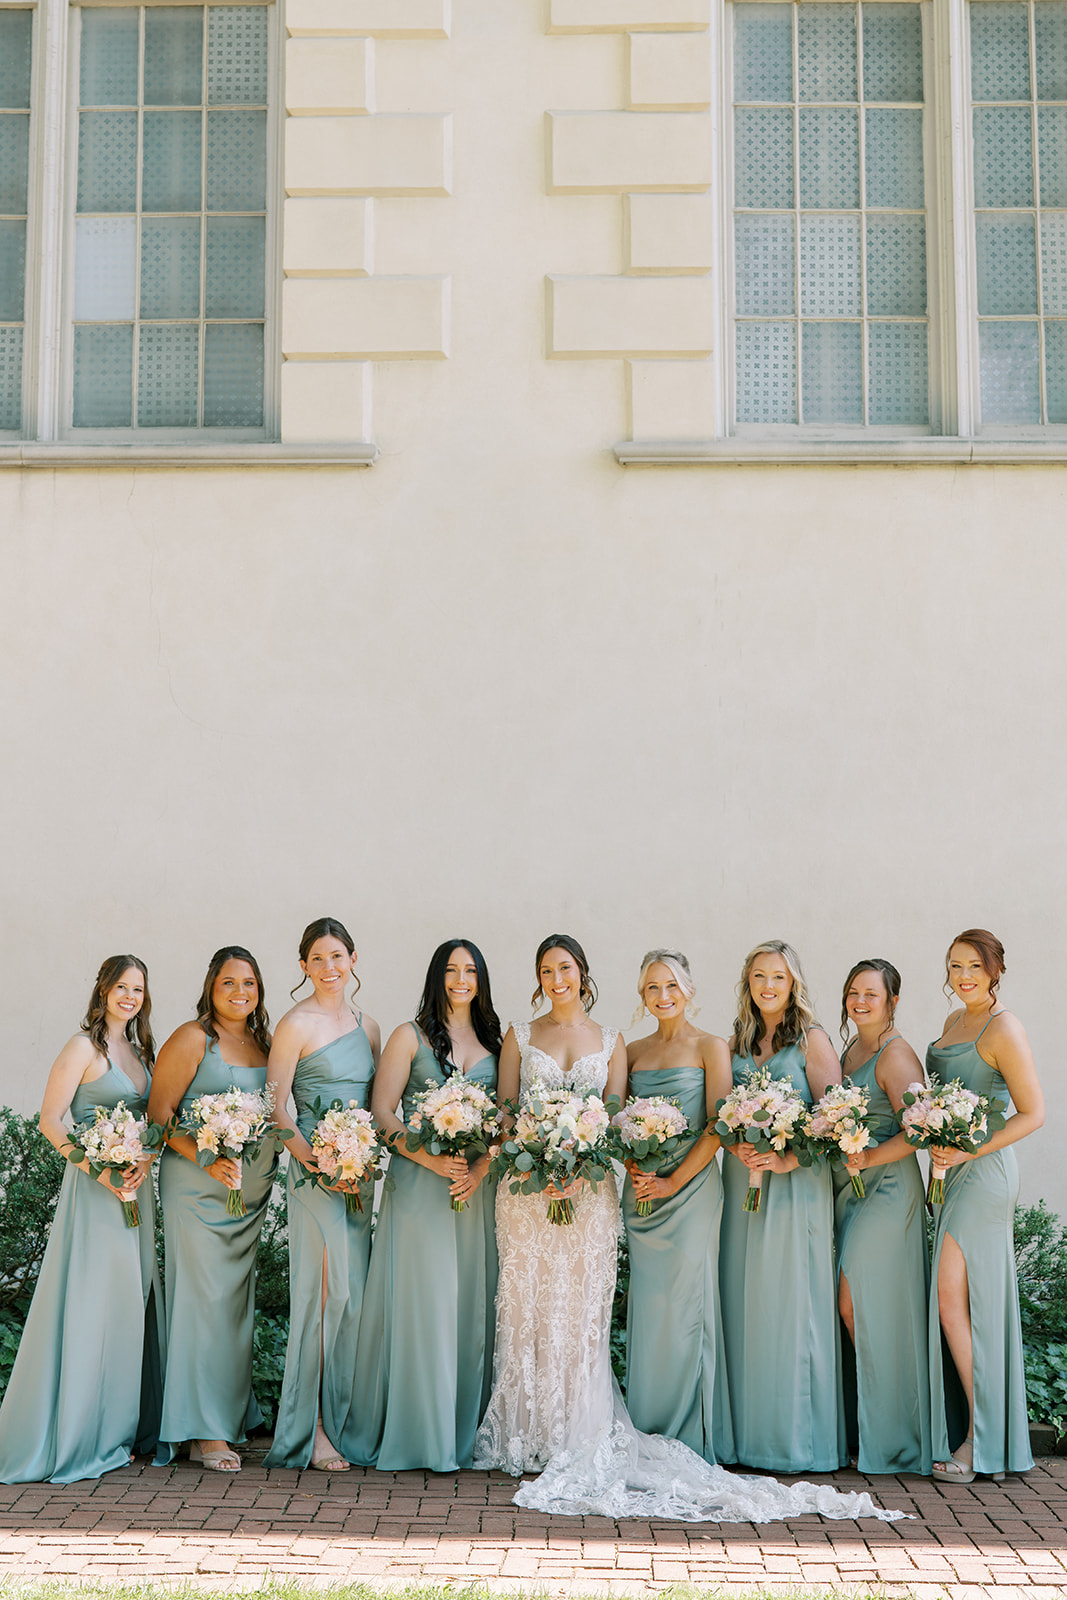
{"x": 613, "y": 317}
{"x": 380, "y": 19}
{"x": 672, "y": 400}
{"x": 669, "y": 233}
{"x": 628, "y": 16}
{"x": 328, "y": 237}
{"x": 383, "y": 155}
{"x": 326, "y": 402}
{"x": 387, "y": 319}
{"x": 329, "y": 75}
{"x": 670, "y": 71}
{"x": 613, "y": 152}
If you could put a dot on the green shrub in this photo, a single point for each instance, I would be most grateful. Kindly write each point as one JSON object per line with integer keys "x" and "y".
{"x": 268, "y": 1363}
{"x": 31, "y": 1172}
{"x": 618, "y": 1312}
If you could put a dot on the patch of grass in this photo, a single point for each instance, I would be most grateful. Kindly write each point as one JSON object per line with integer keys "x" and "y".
{"x": 291, "y": 1589}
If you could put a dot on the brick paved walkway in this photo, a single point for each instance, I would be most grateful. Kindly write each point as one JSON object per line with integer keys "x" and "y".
{"x": 182, "y": 1524}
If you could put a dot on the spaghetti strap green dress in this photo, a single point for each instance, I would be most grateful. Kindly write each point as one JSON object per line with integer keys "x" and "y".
{"x": 675, "y": 1373}
{"x": 321, "y": 1355}
{"x": 979, "y": 1213}
{"x": 781, "y": 1330}
{"x": 210, "y": 1279}
{"x": 425, "y": 1363}
{"x": 86, "y": 1386}
{"x": 881, "y": 1252}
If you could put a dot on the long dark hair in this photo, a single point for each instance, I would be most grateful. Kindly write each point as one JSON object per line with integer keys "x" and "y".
{"x": 138, "y": 1030}
{"x": 432, "y": 1015}
{"x": 564, "y": 941}
{"x": 323, "y": 928}
{"x": 258, "y": 1024}
{"x": 890, "y": 977}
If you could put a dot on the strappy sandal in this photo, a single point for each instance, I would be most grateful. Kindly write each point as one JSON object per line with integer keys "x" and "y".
{"x": 215, "y": 1460}
{"x": 331, "y": 1464}
{"x": 959, "y": 1468}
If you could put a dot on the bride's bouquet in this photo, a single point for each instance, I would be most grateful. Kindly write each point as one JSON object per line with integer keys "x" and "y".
{"x": 236, "y": 1125}
{"x": 762, "y": 1111}
{"x": 114, "y": 1140}
{"x": 454, "y": 1118}
{"x": 951, "y": 1115}
{"x": 559, "y": 1135}
{"x": 838, "y": 1126}
{"x": 646, "y": 1133}
{"x": 347, "y": 1150}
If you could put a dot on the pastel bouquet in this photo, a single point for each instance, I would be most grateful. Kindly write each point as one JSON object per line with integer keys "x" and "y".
{"x": 454, "y": 1118}
{"x": 950, "y": 1115}
{"x": 234, "y": 1125}
{"x": 114, "y": 1140}
{"x": 762, "y": 1111}
{"x": 646, "y": 1133}
{"x": 559, "y": 1135}
{"x": 838, "y": 1126}
{"x": 347, "y": 1149}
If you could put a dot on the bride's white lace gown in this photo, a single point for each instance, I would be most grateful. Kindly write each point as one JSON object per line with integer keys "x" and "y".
{"x": 555, "y": 1405}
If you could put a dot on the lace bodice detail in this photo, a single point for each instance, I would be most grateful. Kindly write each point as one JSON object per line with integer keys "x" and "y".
{"x": 589, "y": 1074}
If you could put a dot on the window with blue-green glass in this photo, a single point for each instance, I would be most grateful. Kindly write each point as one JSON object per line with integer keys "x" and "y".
{"x": 171, "y": 218}
{"x": 830, "y": 294}
{"x": 16, "y": 43}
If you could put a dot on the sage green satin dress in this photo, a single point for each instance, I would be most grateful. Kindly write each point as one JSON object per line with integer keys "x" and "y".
{"x": 425, "y": 1363}
{"x": 979, "y": 1213}
{"x": 675, "y": 1373}
{"x": 87, "y": 1383}
{"x": 211, "y": 1278}
{"x": 881, "y": 1251}
{"x": 321, "y": 1355}
{"x": 781, "y": 1330}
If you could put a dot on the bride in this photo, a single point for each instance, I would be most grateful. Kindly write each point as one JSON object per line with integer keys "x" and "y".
{"x": 555, "y": 1406}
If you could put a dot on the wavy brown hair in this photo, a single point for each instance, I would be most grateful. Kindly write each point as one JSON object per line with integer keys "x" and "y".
{"x": 258, "y": 1024}
{"x": 889, "y": 976}
{"x": 138, "y": 1030}
{"x": 564, "y": 941}
{"x": 749, "y": 1026}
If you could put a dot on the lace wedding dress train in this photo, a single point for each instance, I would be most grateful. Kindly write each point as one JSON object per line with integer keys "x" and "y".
{"x": 555, "y": 1406}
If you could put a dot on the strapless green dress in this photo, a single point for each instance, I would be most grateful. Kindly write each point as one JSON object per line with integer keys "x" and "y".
{"x": 979, "y": 1213}
{"x": 86, "y": 1387}
{"x": 211, "y": 1279}
{"x": 881, "y": 1251}
{"x": 781, "y": 1330}
{"x": 425, "y": 1362}
{"x": 675, "y": 1373}
{"x": 321, "y": 1355}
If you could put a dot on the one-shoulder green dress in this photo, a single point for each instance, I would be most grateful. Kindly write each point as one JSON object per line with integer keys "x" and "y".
{"x": 675, "y": 1372}
{"x": 781, "y": 1330}
{"x": 321, "y": 1355}
{"x": 425, "y": 1363}
{"x": 86, "y": 1386}
{"x": 881, "y": 1252}
{"x": 210, "y": 1276}
{"x": 979, "y": 1213}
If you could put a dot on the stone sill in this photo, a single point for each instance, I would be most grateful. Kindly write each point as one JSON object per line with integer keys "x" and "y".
{"x": 29, "y": 454}
{"x": 897, "y": 452}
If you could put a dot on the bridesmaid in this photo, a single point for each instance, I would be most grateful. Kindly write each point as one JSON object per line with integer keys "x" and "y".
{"x": 776, "y": 1268}
{"x": 210, "y": 1255}
{"x": 324, "y": 1049}
{"x": 882, "y": 1267}
{"x": 975, "y": 1299}
{"x": 425, "y": 1360}
{"x": 675, "y": 1373}
{"x": 84, "y": 1392}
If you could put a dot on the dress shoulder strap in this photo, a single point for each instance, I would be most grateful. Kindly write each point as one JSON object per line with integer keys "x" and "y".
{"x": 521, "y": 1030}
{"x": 991, "y": 1016}
{"x": 608, "y": 1037}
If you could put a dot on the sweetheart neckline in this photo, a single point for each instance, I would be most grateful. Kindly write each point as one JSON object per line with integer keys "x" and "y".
{"x": 590, "y": 1056}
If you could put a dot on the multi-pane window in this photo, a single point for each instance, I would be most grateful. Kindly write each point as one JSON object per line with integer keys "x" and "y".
{"x": 15, "y": 47}
{"x": 1019, "y": 119}
{"x": 170, "y": 227}
{"x": 829, "y": 214}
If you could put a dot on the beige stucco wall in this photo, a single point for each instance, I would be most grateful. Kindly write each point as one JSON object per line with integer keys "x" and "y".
{"x": 498, "y": 685}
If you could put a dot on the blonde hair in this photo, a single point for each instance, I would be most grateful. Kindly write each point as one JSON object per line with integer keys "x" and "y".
{"x": 678, "y": 965}
{"x": 749, "y": 1026}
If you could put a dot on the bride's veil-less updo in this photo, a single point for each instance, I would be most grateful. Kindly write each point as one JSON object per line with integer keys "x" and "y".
{"x": 679, "y": 966}
{"x": 564, "y": 941}
{"x": 749, "y": 1026}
